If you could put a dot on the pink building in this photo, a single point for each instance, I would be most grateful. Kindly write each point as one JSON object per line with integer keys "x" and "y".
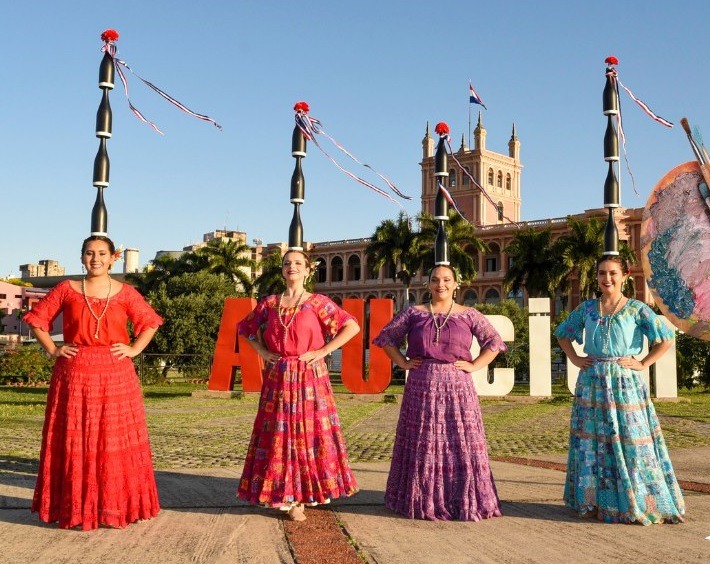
{"x": 15, "y": 300}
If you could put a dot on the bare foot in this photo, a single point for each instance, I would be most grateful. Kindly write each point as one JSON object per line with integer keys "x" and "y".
{"x": 296, "y": 513}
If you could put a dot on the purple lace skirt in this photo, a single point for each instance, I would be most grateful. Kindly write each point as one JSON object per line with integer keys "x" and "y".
{"x": 440, "y": 468}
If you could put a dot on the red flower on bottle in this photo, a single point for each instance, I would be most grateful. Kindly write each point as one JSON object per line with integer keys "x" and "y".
{"x": 302, "y": 107}
{"x": 442, "y": 128}
{"x": 109, "y": 35}
{"x": 611, "y": 60}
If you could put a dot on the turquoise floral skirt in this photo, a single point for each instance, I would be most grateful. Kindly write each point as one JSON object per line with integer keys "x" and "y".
{"x": 618, "y": 466}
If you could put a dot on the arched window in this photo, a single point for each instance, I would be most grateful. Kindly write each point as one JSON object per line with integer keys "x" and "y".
{"x": 452, "y": 178}
{"x": 321, "y": 270}
{"x": 336, "y": 269}
{"x": 353, "y": 267}
{"x": 372, "y": 274}
{"x": 465, "y": 180}
{"x": 393, "y": 298}
{"x": 492, "y": 257}
{"x": 508, "y": 183}
{"x": 490, "y": 177}
{"x": 337, "y": 299}
{"x": 500, "y": 179}
{"x": 470, "y": 298}
{"x": 500, "y": 211}
{"x": 390, "y": 270}
{"x": 427, "y": 297}
{"x": 412, "y": 299}
{"x": 492, "y": 296}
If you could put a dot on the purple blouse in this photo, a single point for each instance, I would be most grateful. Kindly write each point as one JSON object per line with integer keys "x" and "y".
{"x": 455, "y": 337}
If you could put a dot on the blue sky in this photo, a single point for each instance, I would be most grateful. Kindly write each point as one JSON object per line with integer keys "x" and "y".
{"x": 374, "y": 72}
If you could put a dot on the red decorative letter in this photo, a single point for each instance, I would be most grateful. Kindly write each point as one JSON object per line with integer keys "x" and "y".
{"x": 353, "y": 363}
{"x": 232, "y": 350}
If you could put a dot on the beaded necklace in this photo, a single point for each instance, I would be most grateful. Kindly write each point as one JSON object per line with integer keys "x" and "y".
{"x": 606, "y": 337}
{"x": 436, "y": 325}
{"x": 98, "y": 318}
{"x": 282, "y": 321}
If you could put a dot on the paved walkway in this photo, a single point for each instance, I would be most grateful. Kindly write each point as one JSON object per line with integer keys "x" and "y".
{"x": 202, "y": 521}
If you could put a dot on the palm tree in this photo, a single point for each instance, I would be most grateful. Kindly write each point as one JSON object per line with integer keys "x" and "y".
{"x": 534, "y": 266}
{"x": 464, "y": 245}
{"x": 270, "y": 281}
{"x": 582, "y": 247}
{"x": 231, "y": 258}
{"x": 394, "y": 241}
{"x": 166, "y": 267}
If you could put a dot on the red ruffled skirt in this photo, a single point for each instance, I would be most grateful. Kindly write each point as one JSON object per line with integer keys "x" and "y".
{"x": 297, "y": 451}
{"x": 95, "y": 466}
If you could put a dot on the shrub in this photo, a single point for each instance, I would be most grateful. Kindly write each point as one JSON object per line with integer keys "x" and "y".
{"x": 25, "y": 363}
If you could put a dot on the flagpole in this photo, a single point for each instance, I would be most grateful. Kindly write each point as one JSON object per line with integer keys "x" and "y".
{"x": 469, "y": 124}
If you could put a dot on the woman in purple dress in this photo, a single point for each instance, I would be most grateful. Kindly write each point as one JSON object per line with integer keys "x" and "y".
{"x": 440, "y": 468}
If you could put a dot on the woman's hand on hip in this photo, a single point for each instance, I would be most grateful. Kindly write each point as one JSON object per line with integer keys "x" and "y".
{"x": 122, "y": 350}
{"x": 464, "y": 365}
{"x": 582, "y": 362}
{"x": 631, "y": 363}
{"x": 312, "y": 356}
{"x": 410, "y": 363}
{"x": 66, "y": 351}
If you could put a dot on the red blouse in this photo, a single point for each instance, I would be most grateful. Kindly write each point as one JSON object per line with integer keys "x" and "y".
{"x": 78, "y": 323}
{"x": 317, "y": 318}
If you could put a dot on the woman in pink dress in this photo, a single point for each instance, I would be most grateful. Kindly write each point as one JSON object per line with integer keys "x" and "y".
{"x": 95, "y": 465}
{"x": 297, "y": 452}
{"x": 440, "y": 468}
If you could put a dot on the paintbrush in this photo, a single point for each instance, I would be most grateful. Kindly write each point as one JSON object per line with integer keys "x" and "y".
{"x": 701, "y": 156}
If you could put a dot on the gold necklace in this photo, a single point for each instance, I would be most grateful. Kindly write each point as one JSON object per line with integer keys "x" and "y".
{"x": 436, "y": 325}
{"x": 99, "y": 317}
{"x": 607, "y": 337}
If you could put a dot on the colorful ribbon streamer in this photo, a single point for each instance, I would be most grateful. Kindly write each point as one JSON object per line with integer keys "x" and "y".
{"x": 615, "y": 79}
{"x": 109, "y": 37}
{"x": 312, "y": 127}
{"x": 450, "y": 198}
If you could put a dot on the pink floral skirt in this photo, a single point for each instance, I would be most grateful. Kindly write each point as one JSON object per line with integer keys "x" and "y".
{"x": 297, "y": 451}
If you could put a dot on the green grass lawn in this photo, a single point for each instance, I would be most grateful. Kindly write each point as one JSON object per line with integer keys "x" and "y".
{"x": 197, "y": 432}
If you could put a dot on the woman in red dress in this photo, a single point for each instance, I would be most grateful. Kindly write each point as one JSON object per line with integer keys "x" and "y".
{"x": 95, "y": 465}
{"x": 297, "y": 453}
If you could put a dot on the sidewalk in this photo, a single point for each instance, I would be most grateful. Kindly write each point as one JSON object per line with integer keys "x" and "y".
{"x": 202, "y": 521}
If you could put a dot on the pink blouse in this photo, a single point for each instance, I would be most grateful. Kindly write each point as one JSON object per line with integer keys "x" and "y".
{"x": 316, "y": 319}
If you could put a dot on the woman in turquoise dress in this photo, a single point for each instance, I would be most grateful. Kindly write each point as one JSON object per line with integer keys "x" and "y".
{"x": 618, "y": 468}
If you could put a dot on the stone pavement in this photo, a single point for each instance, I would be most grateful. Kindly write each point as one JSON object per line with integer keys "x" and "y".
{"x": 202, "y": 521}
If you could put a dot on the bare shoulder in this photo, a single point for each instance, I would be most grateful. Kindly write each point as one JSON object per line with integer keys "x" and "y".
{"x": 458, "y": 308}
{"x": 420, "y": 308}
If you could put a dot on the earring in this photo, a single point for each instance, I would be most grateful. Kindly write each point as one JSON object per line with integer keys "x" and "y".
{"x": 82, "y": 269}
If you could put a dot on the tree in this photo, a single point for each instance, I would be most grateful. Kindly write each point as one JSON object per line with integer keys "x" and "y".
{"x": 270, "y": 281}
{"x": 395, "y": 241}
{"x": 191, "y": 306}
{"x": 693, "y": 356}
{"x": 18, "y": 282}
{"x": 165, "y": 267}
{"x": 582, "y": 247}
{"x": 534, "y": 265}
{"x": 464, "y": 245}
{"x": 518, "y": 354}
{"x": 231, "y": 258}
